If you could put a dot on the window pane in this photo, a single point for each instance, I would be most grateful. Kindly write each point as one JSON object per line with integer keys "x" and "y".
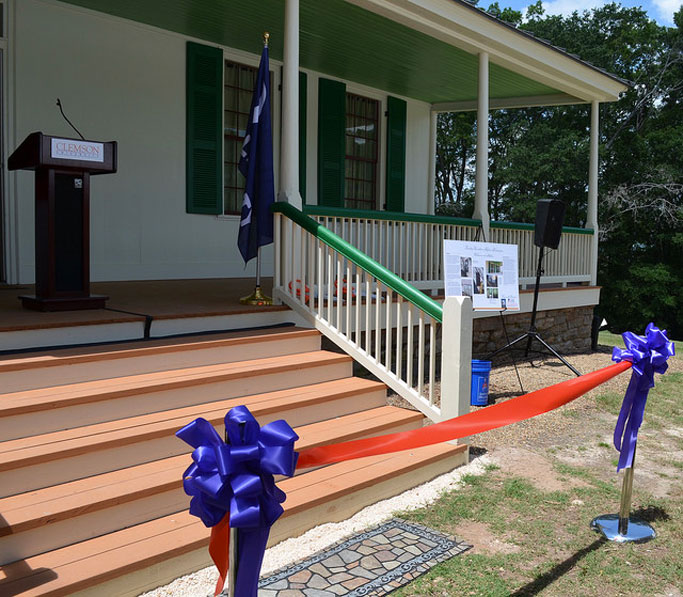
{"x": 361, "y": 152}
{"x": 239, "y": 85}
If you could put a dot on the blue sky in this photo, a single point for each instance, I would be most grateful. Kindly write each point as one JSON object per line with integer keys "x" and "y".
{"x": 660, "y": 10}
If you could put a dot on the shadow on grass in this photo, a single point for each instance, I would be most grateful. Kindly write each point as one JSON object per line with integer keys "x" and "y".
{"x": 651, "y": 514}
{"x": 648, "y": 514}
{"x": 547, "y": 578}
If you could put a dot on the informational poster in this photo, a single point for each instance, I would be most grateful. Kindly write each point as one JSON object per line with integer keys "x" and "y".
{"x": 486, "y": 272}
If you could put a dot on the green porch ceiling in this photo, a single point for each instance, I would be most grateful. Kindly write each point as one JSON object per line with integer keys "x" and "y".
{"x": 337, "y": 39}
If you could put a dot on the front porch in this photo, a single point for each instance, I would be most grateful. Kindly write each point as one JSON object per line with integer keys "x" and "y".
{"x": 137, "y": 310}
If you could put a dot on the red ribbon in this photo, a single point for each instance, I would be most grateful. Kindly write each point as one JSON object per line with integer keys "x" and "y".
{"x": 499, "y": 415}
{"x": 219, "y": 550}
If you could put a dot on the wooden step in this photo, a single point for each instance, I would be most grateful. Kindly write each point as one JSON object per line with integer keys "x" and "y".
{"x": 119, "y": 563}
{"x": 43, "y": 460}
{"x": 44, "y": 410}
{"x": 57, "y": 516}
{"x": 74, "y": 365}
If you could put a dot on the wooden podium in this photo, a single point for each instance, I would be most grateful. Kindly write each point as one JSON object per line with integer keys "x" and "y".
{"x": 62, "y": 222}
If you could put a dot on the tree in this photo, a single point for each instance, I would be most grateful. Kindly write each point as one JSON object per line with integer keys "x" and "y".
{"x": 540, "y": 153}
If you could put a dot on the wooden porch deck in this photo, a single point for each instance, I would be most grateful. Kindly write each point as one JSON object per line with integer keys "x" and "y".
{"x": 136, "y": 309}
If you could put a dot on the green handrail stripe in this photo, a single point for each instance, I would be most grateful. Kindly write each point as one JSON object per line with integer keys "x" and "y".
{"x": 366, "y": 214}
{"x": 387, "y": 277}
{"x": 524, "y": 226}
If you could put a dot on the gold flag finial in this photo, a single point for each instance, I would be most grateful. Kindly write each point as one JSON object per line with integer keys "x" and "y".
{"x": 266, "y": 37}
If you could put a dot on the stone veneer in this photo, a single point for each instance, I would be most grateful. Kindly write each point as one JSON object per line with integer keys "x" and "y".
{"x": 566, "y": 330}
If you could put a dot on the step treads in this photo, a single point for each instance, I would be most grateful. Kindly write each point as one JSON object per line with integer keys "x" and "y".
{"x": 52, "y": 504}
{"x": 85, "y": 564}
{"x": 106, "y": 352}
{"x": 93, "y": 391}
{"x": 72, "y": 442}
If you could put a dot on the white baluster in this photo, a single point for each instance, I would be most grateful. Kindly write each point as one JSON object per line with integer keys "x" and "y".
{"x": 409, "y": 356}
{"x": 421, "y": 353}
{"x": 399, "y": 335}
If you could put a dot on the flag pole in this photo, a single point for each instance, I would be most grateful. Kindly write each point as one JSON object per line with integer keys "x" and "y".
{"x": 258, "y": 298}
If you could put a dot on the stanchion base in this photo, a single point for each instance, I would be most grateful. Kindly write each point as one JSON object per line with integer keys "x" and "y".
{"x": 257, "y": 298}
{"x": 638, "y": 530}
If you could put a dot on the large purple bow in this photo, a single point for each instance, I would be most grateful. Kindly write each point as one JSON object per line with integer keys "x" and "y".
{"x": 237, "y": 477}
{"x": 648, "y": 354}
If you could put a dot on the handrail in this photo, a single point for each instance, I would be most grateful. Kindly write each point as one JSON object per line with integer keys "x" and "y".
{"x": 366, "y": 214}
{"x": 388, "y": 278}
{"x": 525, "y": 226}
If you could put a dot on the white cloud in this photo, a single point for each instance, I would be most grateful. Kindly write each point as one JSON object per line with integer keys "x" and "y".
{"x": 567, "y": 7}
{"x": 665, "y": 10}
{"x": 661, "y": 11}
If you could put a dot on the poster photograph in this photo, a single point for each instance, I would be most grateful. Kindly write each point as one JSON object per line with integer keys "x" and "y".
{"x": 486, "y": 272}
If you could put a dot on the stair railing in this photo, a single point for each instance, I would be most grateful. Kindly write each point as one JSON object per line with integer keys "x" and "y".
{"x": 418, "y": 347}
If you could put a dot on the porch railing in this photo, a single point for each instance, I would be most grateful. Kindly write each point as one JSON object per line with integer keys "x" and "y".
{"x": 382, "y": 321}
{"x": 411, "y": 245}
{"x": 570, "y": 263}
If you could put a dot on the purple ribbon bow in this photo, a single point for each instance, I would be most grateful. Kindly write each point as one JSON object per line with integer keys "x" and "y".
{"x": 237, "y": 476}
{"x": 648, "y": 354}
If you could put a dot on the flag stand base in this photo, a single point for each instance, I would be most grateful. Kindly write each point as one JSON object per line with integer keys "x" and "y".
{"x": 622, "y": 527}
{"x": 257, "y": 299}
{"x": 637, "y": 531}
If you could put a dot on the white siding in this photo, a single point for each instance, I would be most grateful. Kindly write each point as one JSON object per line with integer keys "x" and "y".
{"x": 126, "y": 82}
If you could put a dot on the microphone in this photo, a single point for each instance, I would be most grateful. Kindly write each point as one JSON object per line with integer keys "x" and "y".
{"x": 59, "y": 103}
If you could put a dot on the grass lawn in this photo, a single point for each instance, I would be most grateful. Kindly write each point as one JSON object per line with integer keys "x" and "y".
{"x": 540, "y": 541}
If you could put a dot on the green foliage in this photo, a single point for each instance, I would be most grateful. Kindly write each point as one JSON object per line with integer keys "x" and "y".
{"x": 538, "y": 153}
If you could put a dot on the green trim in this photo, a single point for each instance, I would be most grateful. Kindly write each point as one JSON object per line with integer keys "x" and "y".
{"x": 204, "y": 130}
{"x": 524, "y": 226}
{"x": 388, "y": 278}
{"x": 366, "y": 214}
{"x": 331, "y": 142}
{"x": 395, "y": 189}
{"x": 303, "y": 102}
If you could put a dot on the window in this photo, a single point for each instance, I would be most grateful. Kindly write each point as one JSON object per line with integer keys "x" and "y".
{"x": 239, "y": 81}
{"x": 349, "y": 146}
{"x": 361, "y": 154}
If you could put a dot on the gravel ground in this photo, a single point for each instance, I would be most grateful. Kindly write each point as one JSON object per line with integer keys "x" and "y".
{"x": 571, "y": 424}
{"x": 202, "y": 583}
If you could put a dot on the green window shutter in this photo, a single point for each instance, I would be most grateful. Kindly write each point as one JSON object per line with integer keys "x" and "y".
{"x": 396, "y": 154}
{"x": 204, "y": 129}
{"x": 303, "y": 86}
{"x": 331, "y": 142}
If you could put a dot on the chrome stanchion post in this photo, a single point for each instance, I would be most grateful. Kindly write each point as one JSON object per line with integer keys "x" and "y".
{"x": 622, "y": 527}
{"x": 232, "y": 563}
{"x": 625, "y": 506}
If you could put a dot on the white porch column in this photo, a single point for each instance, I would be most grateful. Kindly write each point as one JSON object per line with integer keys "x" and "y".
{"x": 481, "y": 190}
{"x": 592, "y": 217}
{"x": 431, "y": 183}
{"x": 289, "y": 143}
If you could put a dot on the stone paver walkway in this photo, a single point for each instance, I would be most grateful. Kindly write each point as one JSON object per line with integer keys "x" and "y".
{"x": 375, "y": 562}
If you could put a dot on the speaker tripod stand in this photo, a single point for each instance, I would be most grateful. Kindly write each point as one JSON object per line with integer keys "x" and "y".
{"x": 532, "y": 334}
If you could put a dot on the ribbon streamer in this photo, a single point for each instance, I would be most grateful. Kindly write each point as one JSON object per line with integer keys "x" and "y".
{"x": 648, "y": 354}
{"x": 232, "y": 485}
{"x": 499, "y": 415}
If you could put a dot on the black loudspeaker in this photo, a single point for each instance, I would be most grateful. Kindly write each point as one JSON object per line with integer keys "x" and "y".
{"x": 549, "y": 219}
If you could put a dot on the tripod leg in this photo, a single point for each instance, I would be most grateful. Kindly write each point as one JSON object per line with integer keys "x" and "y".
{"x": 508, "y": 345}
{"x": 551, "y": 349}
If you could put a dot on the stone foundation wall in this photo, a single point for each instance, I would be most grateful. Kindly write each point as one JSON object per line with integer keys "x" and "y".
{"x": 566, "y": 330}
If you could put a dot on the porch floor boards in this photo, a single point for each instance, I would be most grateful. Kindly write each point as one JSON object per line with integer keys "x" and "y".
{"x": 160, "y": 299}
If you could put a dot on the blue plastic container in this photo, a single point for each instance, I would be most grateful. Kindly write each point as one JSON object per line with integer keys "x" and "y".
{"x": 480, "y": 383}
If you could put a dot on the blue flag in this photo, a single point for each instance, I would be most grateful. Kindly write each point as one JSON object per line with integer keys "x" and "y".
{"x": 256, "y": 165}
